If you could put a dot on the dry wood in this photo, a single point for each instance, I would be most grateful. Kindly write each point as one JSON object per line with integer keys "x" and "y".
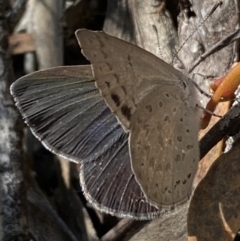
{"x": 21, "y": 43}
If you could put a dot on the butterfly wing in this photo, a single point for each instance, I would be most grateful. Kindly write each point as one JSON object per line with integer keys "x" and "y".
{"x": 57, "y": 108}
{"x": 109, "y": 184}
{"x": 65, "y": 112}
{"x": 164, "y": 146}
{"x": 127, "y": 77}
{"x": 123, "y": 71}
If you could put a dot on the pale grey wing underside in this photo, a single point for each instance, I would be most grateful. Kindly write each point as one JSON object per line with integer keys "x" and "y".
{"x": 127, "y": 77}
{"x": 124, "y": 73}
{"x": 164, "y": 145}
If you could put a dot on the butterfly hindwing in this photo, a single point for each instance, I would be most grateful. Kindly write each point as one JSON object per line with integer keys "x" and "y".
{"x": 65, "y": 111}
{"x": 164, "y": 146}
{"x": 109, "y": 184}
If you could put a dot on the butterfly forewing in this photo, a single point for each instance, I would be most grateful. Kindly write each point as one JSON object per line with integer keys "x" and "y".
{"x": 123, "y": 71}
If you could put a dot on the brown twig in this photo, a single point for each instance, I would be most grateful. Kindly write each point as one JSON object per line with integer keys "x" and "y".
{"x": 216, "y": 47}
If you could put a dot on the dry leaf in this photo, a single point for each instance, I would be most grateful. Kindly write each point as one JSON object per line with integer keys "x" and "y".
{"x": 214, "y": 211}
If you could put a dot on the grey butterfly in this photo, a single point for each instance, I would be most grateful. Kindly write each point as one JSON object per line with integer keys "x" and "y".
{"x": 157, "y": 105}
{"x": 152, "y": 101}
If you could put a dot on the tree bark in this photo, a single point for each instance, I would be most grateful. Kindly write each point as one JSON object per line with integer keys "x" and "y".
{"x": 13, "y": 213}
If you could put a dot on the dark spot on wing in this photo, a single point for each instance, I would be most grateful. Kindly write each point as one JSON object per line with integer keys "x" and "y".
{"x": 189, "y": 147}
{"x": 177, "y": 183}
{"x": 179, "y": 138}
{"x": 167, "y": 119}
{"x": 149, "y": 108}
{"x": 139, "y": 120}
{"x": 116, "y": 99}
{"x": 126, "y": 111}
{"x": 129, "y": 60}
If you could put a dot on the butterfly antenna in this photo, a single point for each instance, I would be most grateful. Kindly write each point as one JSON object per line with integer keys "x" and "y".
{"x": 200, "y": 24}
{"x": 199, "y": 88}
{"x": 158, "y": 43}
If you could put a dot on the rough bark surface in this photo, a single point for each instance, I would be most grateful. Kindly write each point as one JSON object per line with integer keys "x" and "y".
{"x": 13, "y": 213}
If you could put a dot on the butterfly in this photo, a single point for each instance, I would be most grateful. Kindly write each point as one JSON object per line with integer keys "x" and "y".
{"x": 131, "y": 120}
